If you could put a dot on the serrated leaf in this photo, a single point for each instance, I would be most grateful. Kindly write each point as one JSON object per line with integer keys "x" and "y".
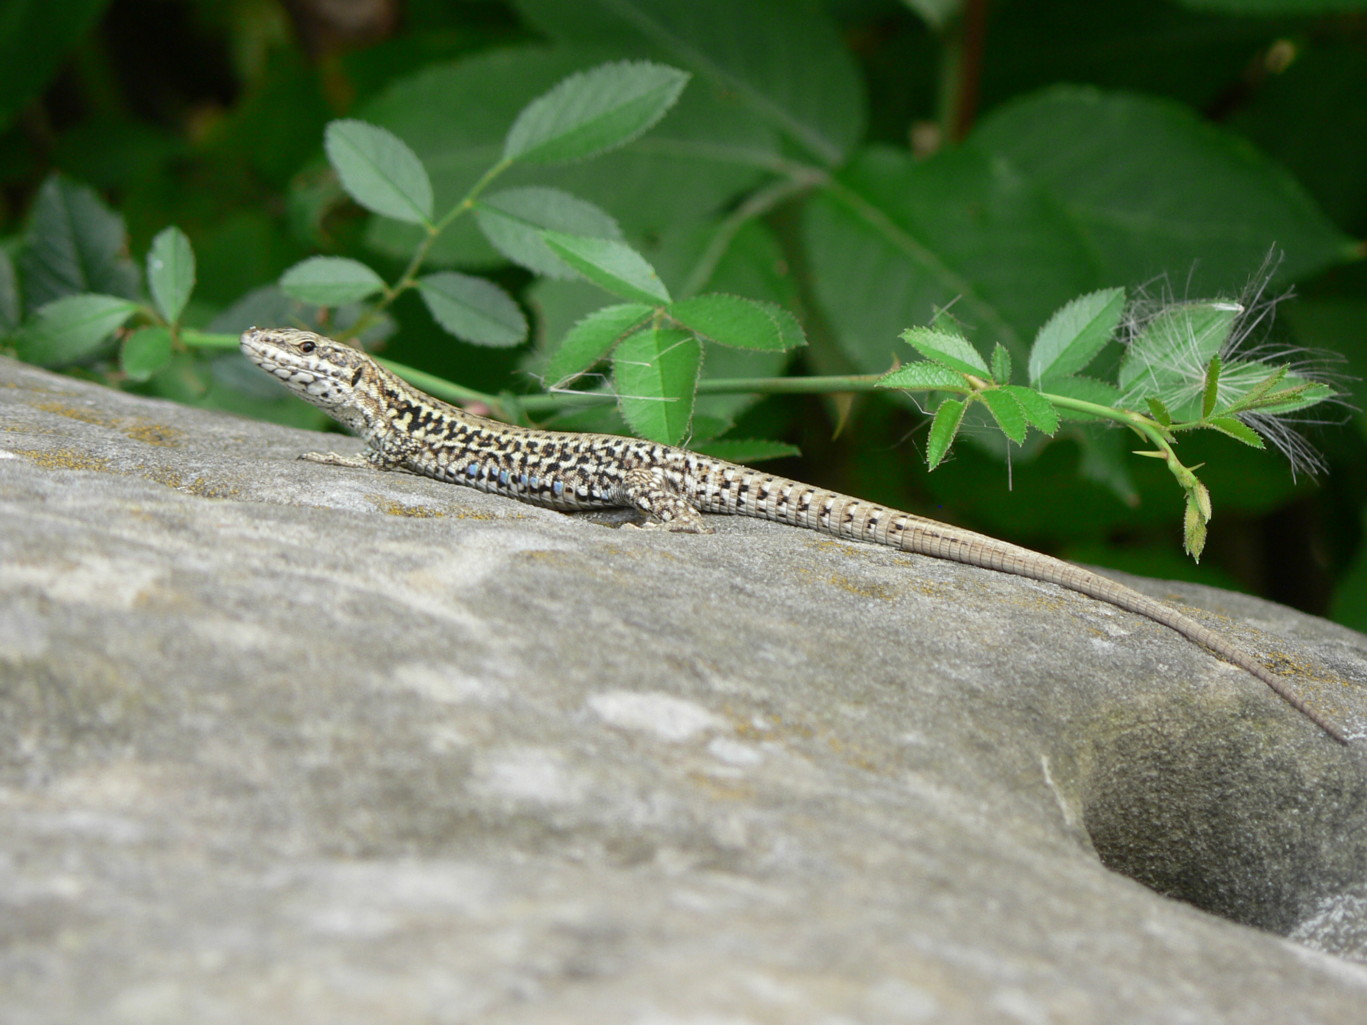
{"x": 379, "y": 171}
{"x": 1211, "y": 392}
{"x": 951, "y": 351}
{"x": 1159, "y": 411}
{"x": 1236, "y": 374}
{"x": 473, "y": 309}
{"x": 171, "y": 272}
{"x": 1077, "y": 331}
{"x": 330, "y": 281}
{"x": 1238, "y": 430}
{"x": 145, "y": 352}
{"x": 591, "y": 338}
{"x": 656, "y": 374}
{"x": 898, "y": 235}
{"x": 1039, "y": 411}
{"x": 593, "y": 111}
{"x": 1155, "y": 184}
{"x": 1007, "y": 412}
{"x": 74, "y": 245}
{"x": 943, "y": 429}
{"x": 1249, "y": 388}
{"x": 613, "y": 266}
{"x": 923, "y": 376}
{"x": 781, "y": 64}
{"x": 513, "y": 220}
{"x": 70, "y": 329}
{"x": 1001, "y": 364}
{"x": 1177, "y": 339}
{"x": 1287, "y": 400}
{"x": 739, "y": 323}
{"x": 747, "y": 450}
{"x": 1194, "y": 529}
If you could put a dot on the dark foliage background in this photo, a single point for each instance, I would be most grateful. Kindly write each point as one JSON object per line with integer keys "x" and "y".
{"x": 859, "y": 161}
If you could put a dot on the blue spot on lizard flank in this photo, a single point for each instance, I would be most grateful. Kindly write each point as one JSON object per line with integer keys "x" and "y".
{"x": 503, "y": 476}
{"x": 558, "y": 487}
{"x": 472, "y": 470}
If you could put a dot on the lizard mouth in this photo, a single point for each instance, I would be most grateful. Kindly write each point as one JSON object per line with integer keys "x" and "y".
{"x": 274, "y": 354}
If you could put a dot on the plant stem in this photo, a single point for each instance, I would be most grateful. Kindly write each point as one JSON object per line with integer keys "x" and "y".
{"x": 410, "y": 274}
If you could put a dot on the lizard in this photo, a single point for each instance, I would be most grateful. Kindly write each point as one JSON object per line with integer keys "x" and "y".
{"x": 667, "y": 487}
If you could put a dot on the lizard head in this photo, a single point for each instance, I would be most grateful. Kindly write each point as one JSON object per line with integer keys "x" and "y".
{"x": 317, "y": 369}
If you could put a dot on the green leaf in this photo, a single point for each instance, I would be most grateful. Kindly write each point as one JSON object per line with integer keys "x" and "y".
{"x": 613, "y": 266}
{"x": 473, "y": 309}
{"x": 656, "y": 373}
{"x": 1156, "y": 187}
{"x": 1075, "y": 334}
{"x": 74, "y": 244}
{"x": 1211, "y": 392}
{"x": 1301, "y": 395}
{"x": 1247, "y": 387}
{"x": 1237, "y": 430}
{"x": 894, "y": 237}
{"x": 943, "y": 428}
{"x": 145, "y": 352}
{"x": 593, "y": 111}
{"x": 171, "y": 272}
{"x": 379, "y": 171}
{"x": 747, "y": 450}
{"x": 1001, "y": 364}
{"x": 1159, "y": 411}
{"x": 781, "y": 62}
{"x": 1169, "y": 357}
{"x": 591, "y": 338}
{"x": 455, "y": 115}
{"x": 951, "y": 351}
{"x": 739, "y": 323}
{"x": 1194, "y": 528}
{"x": 70, "y": 329}
{"x": 923, "y": 376}
{"x": 330, "y": 281}
{"x": 1007, "y": 412}
{"x": 513, "y": 220}
{"x": 35, "y": 37}
{"x": 1246, "y": 384}
{"x": 1039, "y": 411}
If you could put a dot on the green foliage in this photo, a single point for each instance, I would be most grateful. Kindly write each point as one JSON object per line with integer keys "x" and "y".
{"x": 592, "y": 112}
{"x": 379, "y": 171}
{"x": 1173, "y": 363}
{"x": 171, "y": 272}
{"x": 675, "y": 201}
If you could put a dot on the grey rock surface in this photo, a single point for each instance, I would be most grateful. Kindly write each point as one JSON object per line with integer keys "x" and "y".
{"x": 285, "y": 743}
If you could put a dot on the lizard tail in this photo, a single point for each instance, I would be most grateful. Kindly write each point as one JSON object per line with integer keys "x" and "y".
{"x": 942, "y": 541}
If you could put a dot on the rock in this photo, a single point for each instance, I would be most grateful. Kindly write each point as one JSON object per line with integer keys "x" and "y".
{"x": 286, "y": 743}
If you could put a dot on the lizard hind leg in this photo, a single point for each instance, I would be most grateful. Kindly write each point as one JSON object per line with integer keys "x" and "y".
{"x": 664, "y": 506}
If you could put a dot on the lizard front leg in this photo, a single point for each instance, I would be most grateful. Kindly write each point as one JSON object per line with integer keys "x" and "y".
{"x": 372, "y": 457}
{"x": 664, "y": 505}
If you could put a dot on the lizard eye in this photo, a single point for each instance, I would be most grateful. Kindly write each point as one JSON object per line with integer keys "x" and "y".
{"x": 307, "y": 347}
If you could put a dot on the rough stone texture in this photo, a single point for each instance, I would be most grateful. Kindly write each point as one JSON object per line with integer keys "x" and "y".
{"x": 283, "y": 743}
